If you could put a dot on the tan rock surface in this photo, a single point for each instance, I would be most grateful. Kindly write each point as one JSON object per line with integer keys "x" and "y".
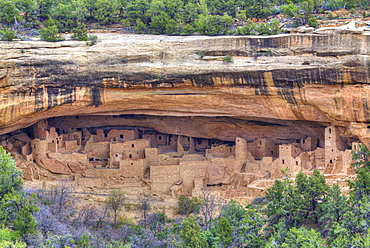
{"x": 76, "y": 167}
{"x": 55, "y": 166}
{"x": 309, "y": 81}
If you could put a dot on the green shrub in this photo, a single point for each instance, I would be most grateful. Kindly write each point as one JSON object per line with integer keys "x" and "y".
{"x": 80, "y": 32}
{"x": 201, "y": 54}
{"x": 124, "y": 221}
{"x": 290, "y": 10}
{"x": 213, "y": 24}
{"x": 125, "y": 23}
{"x": 92, "y": 40}
{"x": 264, "y": 29}
{"x": 84, "y": 241}
{"x": 224, "y": 231}
{"x": 241, "y": 15}
{"x": 191, "y": 234}
{"x": 25, "y": 223}
{"x": 8, "y": 35}
{"x": 227, "y": 59}
{"x": 274, "y": 26}
{"x": 8, "y": 171}
{"x": 247, "y": 29}
{"x": 8, "y": 234}
{"x": 11, "y": 244}
{"x": 270, "y": 28}
{"x": 140, "y": 27}
{"x": 234, "y": 212}
{"x": 50, "y": 33}
{"x": 188, "y": 205}
{"x": 187, "y": 29}
{"x": 260, "y": 200}
{"x": 312, "y": 21}
{"x": 55, "y": 240}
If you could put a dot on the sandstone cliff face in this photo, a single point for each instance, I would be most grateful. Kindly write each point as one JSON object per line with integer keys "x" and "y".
{"x": 283, "y": 86}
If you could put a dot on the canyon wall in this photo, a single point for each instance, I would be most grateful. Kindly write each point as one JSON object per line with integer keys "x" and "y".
{"x": 284, "y": 87}
{"x": 291, "y": 80}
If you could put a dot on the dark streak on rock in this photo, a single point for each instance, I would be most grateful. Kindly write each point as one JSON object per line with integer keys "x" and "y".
{"x": 95, "y": 97}
{"x": 52, "y": 97}
{"x": 63, "y": 95}
{"x": 365, "y": 105}
{"x": 262, "y": 43}
{"x": 202, "y": 80}
{"x": 39, "y": 99}
{"x": 266, "y": 124}
{"x": 288, "y": 95}
{"x": 257, "y": 80}
{"x": 131, "y": 116}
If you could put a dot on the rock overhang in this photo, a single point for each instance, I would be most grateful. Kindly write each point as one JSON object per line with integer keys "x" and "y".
{"x": 316, "y": 79}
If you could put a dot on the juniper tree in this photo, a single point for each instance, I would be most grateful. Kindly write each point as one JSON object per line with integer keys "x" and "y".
{"x": 191, "y": 234}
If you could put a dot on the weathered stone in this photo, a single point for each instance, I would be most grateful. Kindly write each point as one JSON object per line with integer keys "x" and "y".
{"x": 76, "y": 167}
{"x": 279, "y": 89}
{"x": 55, "y": 166}
{"x": 163, "y": 76}
{"x": 217, "y": 175}
{"x": 22, "y": 137}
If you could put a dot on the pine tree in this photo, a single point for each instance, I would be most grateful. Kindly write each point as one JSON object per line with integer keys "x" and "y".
{"x": 302, "y": 238}
{"x": 10, "y": 176}
{"x": 50, "y": 32}
{"x": 234, "y": 212}
{"x": 313, "y": 193}
{"x": 80, "y": 32}
{"x": 250, "y": 231}
{"x": 224, "y": 231}
{"x": 25, "y": 223}
{"x": 334, "y": 206}
{"x": 360, "y": 187}
{"x": 191, "y": 234}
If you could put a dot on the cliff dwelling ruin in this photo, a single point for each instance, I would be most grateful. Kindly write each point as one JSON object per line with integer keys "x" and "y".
{"x": 171, "y": 164}
{"x": 151, "y": 114}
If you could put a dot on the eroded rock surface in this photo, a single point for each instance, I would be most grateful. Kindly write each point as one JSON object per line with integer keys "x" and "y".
{"x": 283, "y": 88}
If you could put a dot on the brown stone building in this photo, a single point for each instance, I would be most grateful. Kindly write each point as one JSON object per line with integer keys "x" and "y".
{"x": 174, "y": 164}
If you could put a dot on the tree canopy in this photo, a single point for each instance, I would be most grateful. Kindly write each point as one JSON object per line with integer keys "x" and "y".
{"x": 176, "y": 17}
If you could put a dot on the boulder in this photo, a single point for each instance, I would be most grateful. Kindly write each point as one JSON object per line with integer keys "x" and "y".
{"x": 76, "y": 167}
{"x": 55, "y": 166}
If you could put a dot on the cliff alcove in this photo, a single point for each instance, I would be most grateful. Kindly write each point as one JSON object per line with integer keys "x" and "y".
{"x": 297, "y": 100}
{"x": 177, "y": 155}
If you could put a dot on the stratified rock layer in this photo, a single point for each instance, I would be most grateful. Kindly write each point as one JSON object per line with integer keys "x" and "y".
{"x": 281, "y": 86}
